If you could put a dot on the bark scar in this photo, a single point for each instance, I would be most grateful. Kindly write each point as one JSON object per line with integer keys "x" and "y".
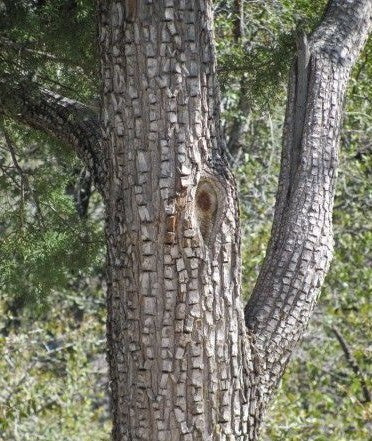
{"x": 206, "y": 205}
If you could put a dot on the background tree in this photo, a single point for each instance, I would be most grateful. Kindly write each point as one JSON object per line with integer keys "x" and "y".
{"x": 41, "y": 105}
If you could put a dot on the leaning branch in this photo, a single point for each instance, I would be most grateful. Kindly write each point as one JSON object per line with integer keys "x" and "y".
{"x": 67, "y": 120}
{"x": 300, "y": 247}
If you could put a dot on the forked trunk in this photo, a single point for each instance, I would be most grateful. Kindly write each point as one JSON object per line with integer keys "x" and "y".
{"x": 183, "y": 363}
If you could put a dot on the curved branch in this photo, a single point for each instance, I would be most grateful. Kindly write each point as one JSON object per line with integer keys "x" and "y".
{"x": 70, "y": 121}
{"x": 300, "y": 247}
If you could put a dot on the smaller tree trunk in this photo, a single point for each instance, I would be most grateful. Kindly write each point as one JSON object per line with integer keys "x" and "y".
{"x": 300, "y": 247}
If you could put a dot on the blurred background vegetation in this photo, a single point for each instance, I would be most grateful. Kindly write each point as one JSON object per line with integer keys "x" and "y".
{"x": 53, "y": 378}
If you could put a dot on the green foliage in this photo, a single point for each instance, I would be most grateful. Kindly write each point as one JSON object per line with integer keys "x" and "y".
{"x": 54, "y": 381}
{"x": 45, "y": 244}
{"x": 53, "y": 42}
{"x": 258, "y": 61}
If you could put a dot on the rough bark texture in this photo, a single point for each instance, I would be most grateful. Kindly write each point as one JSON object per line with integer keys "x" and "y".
{"x": 300, "y": 248}
{"x": 183, "y": 362}
{"x": 68, "y": 120}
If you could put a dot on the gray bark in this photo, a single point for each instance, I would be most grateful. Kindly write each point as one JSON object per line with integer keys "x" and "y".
{"x": 184, "y": 362}
{"x": 71, "y": 122}
{"x": 181, "y": 361}
{"x": 300, "y": 248}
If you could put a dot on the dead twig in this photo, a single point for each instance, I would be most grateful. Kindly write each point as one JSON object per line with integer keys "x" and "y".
{"x": 353, "y": 364}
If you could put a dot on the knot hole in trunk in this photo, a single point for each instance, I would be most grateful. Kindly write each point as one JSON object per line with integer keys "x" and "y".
{"x": 206, "y": 204}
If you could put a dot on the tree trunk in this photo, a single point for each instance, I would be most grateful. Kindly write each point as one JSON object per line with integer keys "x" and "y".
{"x": 182, "y": 364}
{"x": 185, "y": 364}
